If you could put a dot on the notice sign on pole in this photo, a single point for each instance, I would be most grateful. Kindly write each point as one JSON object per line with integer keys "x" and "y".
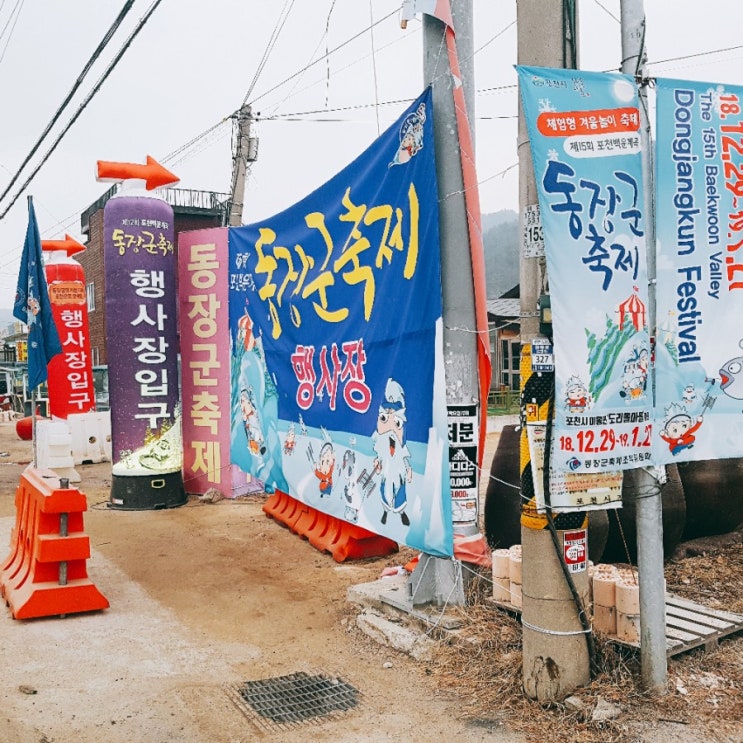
{"x": 463, "y": 437}
{"x": 575, "y": 550}
{"x": 532, "y": 238}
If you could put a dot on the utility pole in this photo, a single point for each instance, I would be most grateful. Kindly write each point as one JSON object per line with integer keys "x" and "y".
{"x": 556, "y": 659}
{"x": 244, "y": 151}
{"x": 436, "y": 579}
{"x": 645, "y": 488}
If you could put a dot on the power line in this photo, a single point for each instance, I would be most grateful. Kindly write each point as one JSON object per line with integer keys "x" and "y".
{"x": 312, "y": 64}
{"x": 10, "y": 34}
{"x": 606, "y": 10}
{"x": 87, "y": 100}
{"x": 698, "y": 54}
{"x": 104, "y": 42}
{"x": 270, "y": 46}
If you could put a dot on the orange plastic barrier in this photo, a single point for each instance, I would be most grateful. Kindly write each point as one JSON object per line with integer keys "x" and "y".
{"x": 45, "y": 573}
{"x": 344, "y": 541}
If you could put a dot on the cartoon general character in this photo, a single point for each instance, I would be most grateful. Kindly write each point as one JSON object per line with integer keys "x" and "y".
{"x": 731, "y": 378}
{"x": 411, "y": 136}
{"x": 678, "y": 429}
{"x": 635, "y": 375}
{"x": 577, "y": 397}
{"x": 324, "y": 468}
{"x": 251, "y": 422}
{"x": 393, "y": 458}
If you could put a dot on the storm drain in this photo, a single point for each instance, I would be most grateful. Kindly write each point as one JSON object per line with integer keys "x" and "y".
{"x": 288, "y": 701}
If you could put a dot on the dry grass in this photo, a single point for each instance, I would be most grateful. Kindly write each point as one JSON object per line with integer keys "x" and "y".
{"x": 481, "y": 667}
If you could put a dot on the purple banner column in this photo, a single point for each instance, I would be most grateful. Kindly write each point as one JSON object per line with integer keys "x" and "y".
{"x": 142, "y": 343}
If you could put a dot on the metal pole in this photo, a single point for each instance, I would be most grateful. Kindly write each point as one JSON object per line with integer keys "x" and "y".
{"x": 33, "y": 427}
{"x": 436, "y": 579}
{"x": 648, "y": 502}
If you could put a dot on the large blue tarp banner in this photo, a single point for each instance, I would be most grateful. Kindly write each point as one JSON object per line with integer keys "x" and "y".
{"x": 699, "y": 207}
{"x": 337, "y": 355}
{"x": 585, "y": 143}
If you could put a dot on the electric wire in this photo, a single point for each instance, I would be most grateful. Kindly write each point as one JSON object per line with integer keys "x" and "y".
{"x": 80, "y": 78}
{"x": 374, "y": 66}
{"x": 327, "y": 53}
{"x": 606, "y": 10}
{"x": 305, "y": 68}
{"x": 86, "y": 101}
{"x": 10, "y": 34}
{"x": 280, "y": 22}
{"x": 312, "y": 57}
{"x": 312, "y": 64}
{"x": 696, "y": 55}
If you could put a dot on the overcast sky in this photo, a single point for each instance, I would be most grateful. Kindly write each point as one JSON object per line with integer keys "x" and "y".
{"x": 194, "y": 63}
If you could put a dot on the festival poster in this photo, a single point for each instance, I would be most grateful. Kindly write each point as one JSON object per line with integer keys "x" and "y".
{"x": 585, "y": 143}
{"x": 337, "y": 355}
{"x": 699, "y": 207}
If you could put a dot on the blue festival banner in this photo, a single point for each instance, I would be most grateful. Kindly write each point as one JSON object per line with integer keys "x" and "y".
{"x": 699, "y": 207}
{"x": 32, "y": 305}
{"x": 585, "y": 143}
{"x": 338, "y": 394}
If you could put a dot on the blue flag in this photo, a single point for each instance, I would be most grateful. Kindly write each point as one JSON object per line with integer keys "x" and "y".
{"x": 32, "y": 305}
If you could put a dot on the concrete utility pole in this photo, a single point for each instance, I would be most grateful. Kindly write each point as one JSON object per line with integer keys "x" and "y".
{"x": 436, "y": 579}
{"x": 245, "y": 150}
{"x": 555, "y": 647}
{"x": 645, "y": 490}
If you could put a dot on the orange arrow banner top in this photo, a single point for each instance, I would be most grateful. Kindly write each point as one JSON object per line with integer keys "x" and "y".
{"x": 69, "y": 245}
{"x": 152, "y": 172}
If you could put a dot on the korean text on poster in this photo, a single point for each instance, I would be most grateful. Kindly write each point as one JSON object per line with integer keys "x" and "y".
{"x": 585, "y": 141}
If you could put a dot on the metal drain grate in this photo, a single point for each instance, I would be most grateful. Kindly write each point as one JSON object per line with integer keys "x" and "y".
{"x": 287, "y": 701}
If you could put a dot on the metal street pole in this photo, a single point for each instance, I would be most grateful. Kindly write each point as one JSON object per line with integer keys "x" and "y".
{"x": 646, "y": 491}
{"x": 436, "y": 579}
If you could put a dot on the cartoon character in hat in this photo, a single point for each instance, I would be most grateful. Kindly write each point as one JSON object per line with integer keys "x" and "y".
{"x": 393, "y": 458}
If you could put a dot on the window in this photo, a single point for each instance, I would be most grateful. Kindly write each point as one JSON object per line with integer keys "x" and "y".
{"x": 95, "y": 356}
{"x": 510, "y": 364}
{"x": 90, "y": 293}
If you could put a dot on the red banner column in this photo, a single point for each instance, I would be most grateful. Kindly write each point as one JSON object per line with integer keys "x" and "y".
{"x": 70, "y": 379}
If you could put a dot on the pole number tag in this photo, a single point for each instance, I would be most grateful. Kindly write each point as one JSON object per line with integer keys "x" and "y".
{"x": 542, "y": 357}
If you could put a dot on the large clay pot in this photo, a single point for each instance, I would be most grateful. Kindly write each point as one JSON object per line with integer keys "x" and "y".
{"x": 621, "y": 545}
{"x": 714, "y": 496}
{"x": 503, "y": 494}
{"x": 503, "y": 500}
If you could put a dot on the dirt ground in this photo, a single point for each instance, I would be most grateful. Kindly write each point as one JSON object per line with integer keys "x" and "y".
{"x": 210, "y": 595}
{"x": 202, "y": 596}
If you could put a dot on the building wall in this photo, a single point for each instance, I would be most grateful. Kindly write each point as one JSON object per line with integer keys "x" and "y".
{"x": 92, "y": 262}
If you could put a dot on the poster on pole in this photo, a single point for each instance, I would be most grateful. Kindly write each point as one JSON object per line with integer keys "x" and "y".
{"x": 585, "y": 141}
{"x": 337, "y": 344}
{"x": 699, "y": 207}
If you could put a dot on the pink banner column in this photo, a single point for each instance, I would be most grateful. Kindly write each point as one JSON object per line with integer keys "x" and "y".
{"x": 205, "y": 363}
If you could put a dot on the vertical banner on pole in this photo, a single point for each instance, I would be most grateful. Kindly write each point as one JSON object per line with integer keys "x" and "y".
{"x": 70, "y": 381}
{"x": 584, "y": 135}
{"x": 699, "y": 208}
{"x": 142, "y": 342}
{"x": 205, "y": 363}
